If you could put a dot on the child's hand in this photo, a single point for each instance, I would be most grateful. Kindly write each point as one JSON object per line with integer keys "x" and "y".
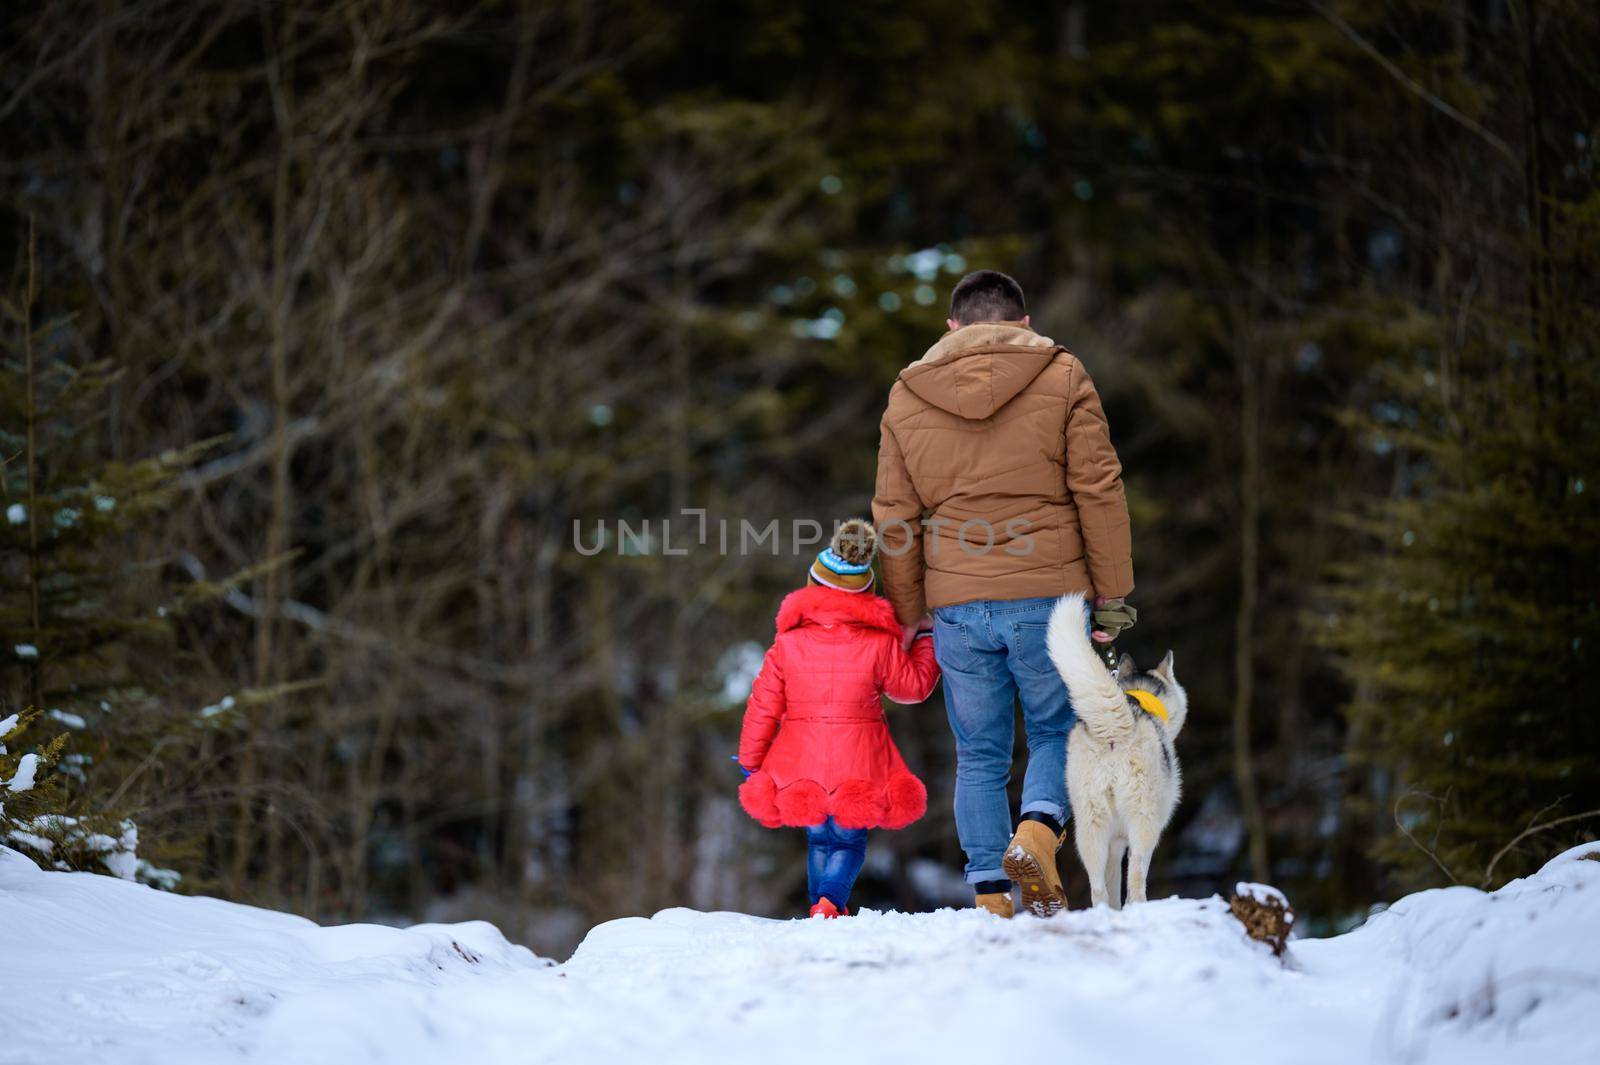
{"x": 908, "y": 633}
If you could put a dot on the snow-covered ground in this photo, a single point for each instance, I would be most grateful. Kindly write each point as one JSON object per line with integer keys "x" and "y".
{"x": 94, "y": 969}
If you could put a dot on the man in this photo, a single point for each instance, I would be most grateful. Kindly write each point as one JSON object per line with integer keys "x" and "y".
{"x": 998, "y": 492}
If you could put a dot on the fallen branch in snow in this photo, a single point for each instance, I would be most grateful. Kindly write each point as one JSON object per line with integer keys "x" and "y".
{"x": 1532, "y": 830}
{"x": 1265, "y": 914}
{"x": 1406, "y": 832}
{"x": 1535, "y": 826}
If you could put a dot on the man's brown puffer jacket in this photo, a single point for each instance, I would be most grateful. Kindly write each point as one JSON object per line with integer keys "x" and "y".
{"x": 996, "y": 476}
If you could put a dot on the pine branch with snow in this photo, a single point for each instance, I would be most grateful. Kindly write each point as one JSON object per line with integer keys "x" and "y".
{"x": 29, "y": 790}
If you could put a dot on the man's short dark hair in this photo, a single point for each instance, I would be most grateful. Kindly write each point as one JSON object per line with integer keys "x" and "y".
{"x": 987, "y": 296}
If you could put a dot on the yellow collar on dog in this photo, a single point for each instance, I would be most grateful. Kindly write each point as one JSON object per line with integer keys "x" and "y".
{"x": 1148, "y": 701}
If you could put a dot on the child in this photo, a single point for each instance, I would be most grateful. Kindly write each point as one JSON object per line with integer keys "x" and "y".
{"x": 815, "y": 743}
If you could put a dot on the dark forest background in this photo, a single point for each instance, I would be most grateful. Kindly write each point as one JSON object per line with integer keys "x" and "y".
{"x": 325, "y": 322}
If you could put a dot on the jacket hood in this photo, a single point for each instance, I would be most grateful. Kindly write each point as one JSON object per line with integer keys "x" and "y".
{"x": 818, "y": 605}
{"x": 975, "y": 370}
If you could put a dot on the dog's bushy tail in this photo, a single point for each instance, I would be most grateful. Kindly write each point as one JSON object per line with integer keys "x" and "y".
{"x": 1095, "y": 693}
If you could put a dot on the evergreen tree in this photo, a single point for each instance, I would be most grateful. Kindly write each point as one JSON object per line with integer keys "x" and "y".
{"x": 82, "y": 625}
{"x": 1471, "y": 624}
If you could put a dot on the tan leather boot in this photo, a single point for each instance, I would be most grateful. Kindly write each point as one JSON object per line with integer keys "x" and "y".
{"x": 999, "y": 904}
{"x": 1031, "y": 862}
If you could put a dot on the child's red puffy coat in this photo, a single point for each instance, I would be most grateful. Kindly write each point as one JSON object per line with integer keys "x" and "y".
{"x": 814, "y": 732}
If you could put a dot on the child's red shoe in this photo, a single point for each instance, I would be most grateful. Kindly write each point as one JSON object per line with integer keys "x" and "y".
{"x": 826, "y": 908}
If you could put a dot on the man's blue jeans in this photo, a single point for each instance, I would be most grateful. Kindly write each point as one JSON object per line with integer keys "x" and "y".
{"x": 834, "y": 857}
{"x": 991, "y": 652}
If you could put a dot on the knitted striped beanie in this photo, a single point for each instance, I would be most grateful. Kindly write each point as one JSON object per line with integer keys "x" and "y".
{"x": 846, "y": 563}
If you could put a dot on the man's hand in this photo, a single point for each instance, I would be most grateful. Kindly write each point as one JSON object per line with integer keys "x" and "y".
{"x": 908, "y": 633}
{"x": 1111, "y": 618}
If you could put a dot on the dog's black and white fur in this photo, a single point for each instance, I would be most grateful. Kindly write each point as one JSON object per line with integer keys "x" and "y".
{"x": 1122, "y": 771}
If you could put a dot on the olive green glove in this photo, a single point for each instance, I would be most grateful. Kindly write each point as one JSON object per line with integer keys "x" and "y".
{"x": 1114, "y": 617}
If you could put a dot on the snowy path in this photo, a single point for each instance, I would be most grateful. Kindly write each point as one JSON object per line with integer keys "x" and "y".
{"x": 97, "y": 970}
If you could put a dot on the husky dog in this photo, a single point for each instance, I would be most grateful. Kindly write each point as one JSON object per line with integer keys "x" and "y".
{"x": 1122, "y": 772}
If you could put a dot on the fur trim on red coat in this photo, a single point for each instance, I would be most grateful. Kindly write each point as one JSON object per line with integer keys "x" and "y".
{"x": 858, "y": 804}
{"x": 908, "y": 801}
{"x": 759, "y": 797}
{"x": 802, "y": 802}
{"x": 853, "y": 804}
{"x": 829, "y": 606}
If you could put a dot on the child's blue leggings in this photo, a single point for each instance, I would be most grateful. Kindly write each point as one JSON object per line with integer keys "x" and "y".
{"x": 834, "y": 857}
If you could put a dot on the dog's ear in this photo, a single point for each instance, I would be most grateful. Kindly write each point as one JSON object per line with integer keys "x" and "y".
{"x": 1165, "y": 669}
{"x": 1125, "y": 667}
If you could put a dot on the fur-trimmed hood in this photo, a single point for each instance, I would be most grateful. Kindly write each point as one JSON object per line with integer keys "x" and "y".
{"x": 977, "y": 369}
{"x": 818, "y": 605}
